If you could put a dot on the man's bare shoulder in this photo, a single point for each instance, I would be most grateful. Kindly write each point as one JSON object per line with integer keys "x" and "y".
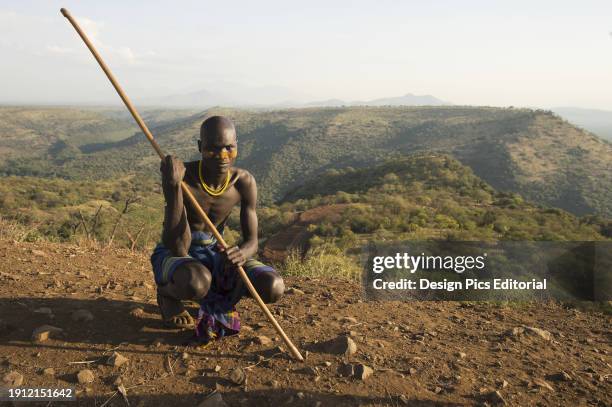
{"x": 244, "y": 179}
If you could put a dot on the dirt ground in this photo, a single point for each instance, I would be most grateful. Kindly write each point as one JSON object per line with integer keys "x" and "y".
{"x": 421, "y": 353}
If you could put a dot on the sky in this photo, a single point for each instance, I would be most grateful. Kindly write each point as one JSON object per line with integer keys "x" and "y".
{"x": 496, "y": 53}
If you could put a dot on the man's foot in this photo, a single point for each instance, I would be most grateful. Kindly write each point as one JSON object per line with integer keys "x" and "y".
{"x": 173, "y": 314}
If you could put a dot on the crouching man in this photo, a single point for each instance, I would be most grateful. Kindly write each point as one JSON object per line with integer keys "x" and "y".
{"x": 189, "y": 264}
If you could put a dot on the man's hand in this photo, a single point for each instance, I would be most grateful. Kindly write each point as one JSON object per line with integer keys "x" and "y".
{"x": 234, "y": 255}
{"x": 173, "y": 170}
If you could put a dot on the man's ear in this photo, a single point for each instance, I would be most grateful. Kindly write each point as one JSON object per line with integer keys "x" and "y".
{"x": 200, "y": 145}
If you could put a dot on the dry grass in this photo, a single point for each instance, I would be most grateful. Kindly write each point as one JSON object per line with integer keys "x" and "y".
{"x": 322, "y": 262}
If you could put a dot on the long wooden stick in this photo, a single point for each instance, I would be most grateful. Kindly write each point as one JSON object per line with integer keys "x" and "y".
{"x": 294, "y": 351}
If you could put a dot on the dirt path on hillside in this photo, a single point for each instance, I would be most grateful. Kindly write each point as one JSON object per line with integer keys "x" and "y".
{"x": 430, "y": 354}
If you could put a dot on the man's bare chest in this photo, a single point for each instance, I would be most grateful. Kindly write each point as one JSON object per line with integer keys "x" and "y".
{"x": 218, "y": 208}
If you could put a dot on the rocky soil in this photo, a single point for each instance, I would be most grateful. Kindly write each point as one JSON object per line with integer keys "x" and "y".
{"x": 87, "y": 318}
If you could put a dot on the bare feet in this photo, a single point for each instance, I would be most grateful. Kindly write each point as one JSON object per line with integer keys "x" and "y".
{"x": 173, "y": 314}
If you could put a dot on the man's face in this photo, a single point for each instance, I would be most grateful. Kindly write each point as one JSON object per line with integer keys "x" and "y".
{"x": 219, "y": 150}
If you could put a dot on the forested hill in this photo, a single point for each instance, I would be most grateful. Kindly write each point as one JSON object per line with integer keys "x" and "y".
{"x": 534, "y": 153}
{"x": 427, "y": 196}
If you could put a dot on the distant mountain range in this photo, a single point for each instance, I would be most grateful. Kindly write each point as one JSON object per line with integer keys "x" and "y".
{"x": 407, "y": 100}
{"x": 236, "y": 95}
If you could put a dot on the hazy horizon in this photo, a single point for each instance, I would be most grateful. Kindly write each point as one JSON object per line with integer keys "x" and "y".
{"x": 530, "y": 55}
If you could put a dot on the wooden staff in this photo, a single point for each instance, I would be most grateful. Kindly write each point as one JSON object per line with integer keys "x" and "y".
{"x": 186, "y": 191}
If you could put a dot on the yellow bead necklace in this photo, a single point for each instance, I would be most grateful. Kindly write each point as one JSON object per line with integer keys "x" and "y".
{"x": 209, "y": 190}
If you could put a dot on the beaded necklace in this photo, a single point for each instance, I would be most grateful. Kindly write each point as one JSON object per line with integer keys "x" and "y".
{"x": 209, "y": 190}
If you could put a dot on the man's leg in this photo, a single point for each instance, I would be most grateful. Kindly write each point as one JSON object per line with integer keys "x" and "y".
{"x": 269, "y": 286}
{"x": 190, "y": 280}
{"x": 267, "y": 282}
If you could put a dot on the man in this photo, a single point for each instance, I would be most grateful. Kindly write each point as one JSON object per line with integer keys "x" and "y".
{"x": 188, "y": 264}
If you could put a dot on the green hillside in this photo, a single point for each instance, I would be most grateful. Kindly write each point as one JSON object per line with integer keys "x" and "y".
{"x": 57, "y": 134}
{"x": 432, "y": 196}
{"x": 533, "y": 153}
{"x": 423, "y": 196}
{"x": 32, "y": 132}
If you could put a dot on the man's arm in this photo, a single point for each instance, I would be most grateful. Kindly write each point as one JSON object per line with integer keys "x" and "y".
{"x": 176, "y": 235}
{"x": 238, "y": 255}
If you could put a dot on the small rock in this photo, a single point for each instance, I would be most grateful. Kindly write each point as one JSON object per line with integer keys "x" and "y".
{"x": 44, "y": 332}
{"x": 561, "y": 377}
{"x": 308, "y": 371}
{"x": 263, "y": 340}
{"x": 327, "y": 364}
{"x": 275, "y": 384}
{"x": 185, "y": 356}
{"x": 217, "y": 368}
{"x": 539, "y": 332}
{"x": 38, "y": 253}
{"x": 293, "y": 290}
{"x": 543, "y": 384}
{"x": 82, "y": 315}
{"x": 412, "y": 371}
{"x": 438, "y": 390}
{"x": 502, "y": 384}
{"x": 237, "y": 376}
{"x": 300, "y": 395}
{"x": 342, "y": 345}
{"x": 13, "y": 379}
{"x": 346, "y": 370}
{"x": 214, "y": 399}
{"x": 49, "y": 371}
{"x": 349, "y": 320}
{"x": 116, "y": 360}
{"x": 362, "y": 372}
{"x": 137, "y": 312}
{"x": 85, "y": 376}
{"x": 461, "y": 355}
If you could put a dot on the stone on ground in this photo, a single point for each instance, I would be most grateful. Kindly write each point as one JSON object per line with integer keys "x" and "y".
{"x": 13, "y": 379}
{"x": 116, "y": 359}
{"x": 49, "y": 371}
{"x": 237, "y": 376}
{"x": 44, "y": 332}
{"x": 85, "y": 376}
{"x": 263, "y": 340}
{"x": 342, "y": 345}
{"x": 362, "y": 372}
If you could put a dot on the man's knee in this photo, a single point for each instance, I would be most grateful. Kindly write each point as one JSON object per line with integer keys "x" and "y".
{"x": 270, "y": 287}
{"x": 193, "y": 279}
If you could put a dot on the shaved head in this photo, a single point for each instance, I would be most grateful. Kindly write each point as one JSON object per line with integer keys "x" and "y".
{"x": 215, "y": 127}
